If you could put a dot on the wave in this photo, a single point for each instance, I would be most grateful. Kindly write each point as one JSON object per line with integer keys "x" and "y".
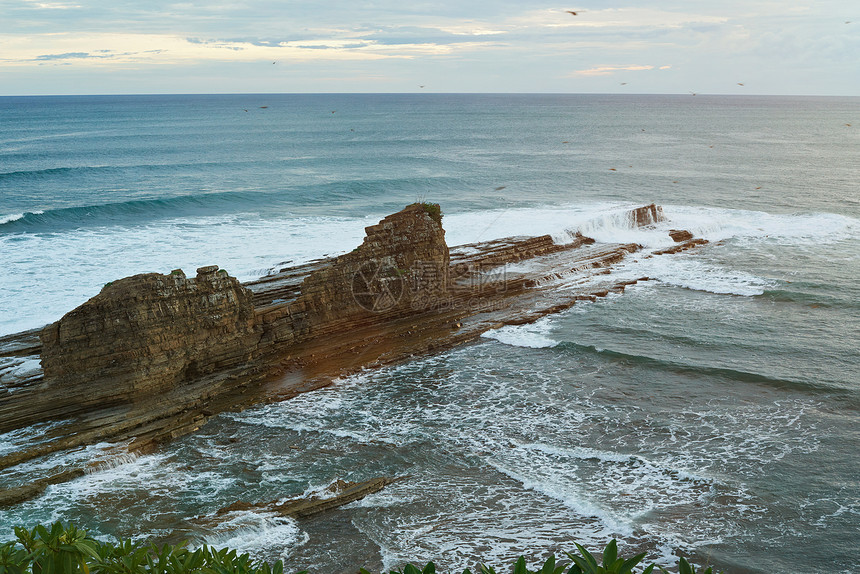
{"x": 698, "y": 370}
{"x": 811, "y": 300}
{"x": 135, "y": 211}
{"x": 50, "y": 172}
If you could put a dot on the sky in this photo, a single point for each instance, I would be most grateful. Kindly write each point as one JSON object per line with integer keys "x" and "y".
{"x": 257, "y": 46}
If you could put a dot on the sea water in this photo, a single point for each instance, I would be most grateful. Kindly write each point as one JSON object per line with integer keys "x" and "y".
{"x": 711, "y": 412}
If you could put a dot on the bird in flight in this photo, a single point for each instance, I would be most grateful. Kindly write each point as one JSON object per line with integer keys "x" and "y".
{"x": 573, "y": 13}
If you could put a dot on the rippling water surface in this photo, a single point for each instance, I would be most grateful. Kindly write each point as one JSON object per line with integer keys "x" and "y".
{"x": 712, "y": 411}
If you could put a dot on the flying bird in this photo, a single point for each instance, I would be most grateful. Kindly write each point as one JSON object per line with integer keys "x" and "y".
{"x": 740, "y": 84}
{"x": 623, "y": 83}
{"x": 500, "y": 188}
{"x": 572, "y": 12}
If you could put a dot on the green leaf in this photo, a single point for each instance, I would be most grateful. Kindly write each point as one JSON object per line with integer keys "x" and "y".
{"x": 548, "y": 566}
{"x": 592, "y": 562}
{"x": 684, "y": 567}
{"x": 519, "y": 567}
{"x": 628, "y": 565}
{"x": 650, "y": 569}
{"x": 610, "y": 554}
{"x": 410, "y": 569}
{"x": 583, "y": 566}
{"x": 429, "y": 569}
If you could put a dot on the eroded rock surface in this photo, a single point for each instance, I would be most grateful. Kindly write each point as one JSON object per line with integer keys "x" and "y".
{"x": 153, "y": 357}
{"x": 149, "y": 334}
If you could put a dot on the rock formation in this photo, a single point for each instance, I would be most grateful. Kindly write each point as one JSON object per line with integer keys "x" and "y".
{"x": 149, "y": 334}
{"x": 154, "y": 356}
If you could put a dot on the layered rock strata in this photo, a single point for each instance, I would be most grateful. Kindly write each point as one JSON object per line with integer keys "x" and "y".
{"x": 154, "y": 356}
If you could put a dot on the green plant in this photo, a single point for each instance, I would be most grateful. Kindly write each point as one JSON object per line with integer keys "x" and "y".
{"x": 585, "y": 563}
{"x": 434, "y": 210}
{"x": 68, "y": 550}
{"x": 684, "y": 567}
{"x": 58, "y": 550}
{"x": 549, "y": 567}
{"x": 13, "y": 560}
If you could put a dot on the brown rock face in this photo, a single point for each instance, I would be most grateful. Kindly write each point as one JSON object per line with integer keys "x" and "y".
{"x": 153, "y": 356}
{"x": 148, "y": 334}
{"x": 679, "y": 235}
{"x": 403, "y": 260}
{"x": 648, "y": 215}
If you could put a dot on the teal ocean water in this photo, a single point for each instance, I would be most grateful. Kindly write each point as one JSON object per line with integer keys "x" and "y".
{"x": 713, "y": 412}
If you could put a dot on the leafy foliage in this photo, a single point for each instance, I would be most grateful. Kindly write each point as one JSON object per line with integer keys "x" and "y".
{"x": 68, "y": 550}
{"x": 434, "y": 210}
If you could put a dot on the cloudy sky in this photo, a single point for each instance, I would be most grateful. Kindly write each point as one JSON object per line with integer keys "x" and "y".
{"x": 624, "y": 46}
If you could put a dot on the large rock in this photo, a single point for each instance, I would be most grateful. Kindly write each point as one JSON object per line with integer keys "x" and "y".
{"x": 148, "y": 334}
{"x": 402, "y": 263}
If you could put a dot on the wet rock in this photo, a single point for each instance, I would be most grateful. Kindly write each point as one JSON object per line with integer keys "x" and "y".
{"x": 337, "y": 494}
{"x": 679, "y": 235}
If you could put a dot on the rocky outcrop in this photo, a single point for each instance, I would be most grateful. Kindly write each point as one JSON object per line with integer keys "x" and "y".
{"x": 679, "y": 235}
{"x": 149, "y": 334}
{"x": 404, "y": 258}
{"x": 337, "y": 494}
{"x": 648, "y": 215}
{"x": 154, "y": 356}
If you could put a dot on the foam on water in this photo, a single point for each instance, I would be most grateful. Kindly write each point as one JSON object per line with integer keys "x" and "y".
{"x": 256, "y": 533}
{"x": 534, "y": 335}
{"x": 49, "y": 274}
{"x": 692, "y": 273}
{"x": 717, "y": 224}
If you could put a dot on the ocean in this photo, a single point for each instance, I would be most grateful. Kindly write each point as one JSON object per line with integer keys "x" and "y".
{"x": 712, "y": 412}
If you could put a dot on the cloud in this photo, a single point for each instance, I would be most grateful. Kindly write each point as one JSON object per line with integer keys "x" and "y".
{"x": 609, "y": 70}
{"x": 638, "y": 17}
{"x": 139, "y": 49}
{"x": 66, "y": 56}
{"x": 52, "y": 5}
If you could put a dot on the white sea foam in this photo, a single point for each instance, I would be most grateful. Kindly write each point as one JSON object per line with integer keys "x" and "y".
{"x": 256, "y": 533}
{"x": 12, "y": 369}
{"x": 47, "y": 275}
{"x": 692, "y": 273}
{"x": 535, "y": 335}
{"x": 716, "y": 224}
{"x": 565, "y": 492}
{"x": 10, "y": 217}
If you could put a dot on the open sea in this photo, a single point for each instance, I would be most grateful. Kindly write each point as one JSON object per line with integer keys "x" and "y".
{"x": 712, "y": 412}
